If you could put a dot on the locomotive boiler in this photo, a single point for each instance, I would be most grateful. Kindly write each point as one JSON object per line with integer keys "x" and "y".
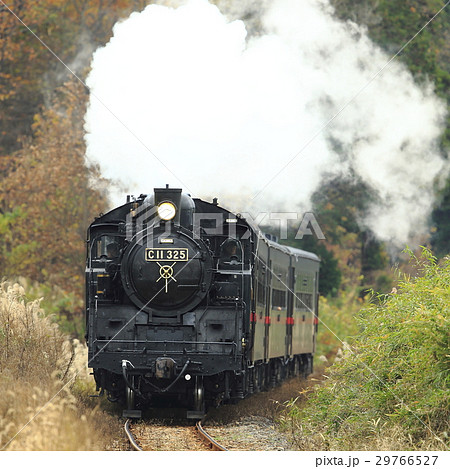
{"x": 189, "y": 302}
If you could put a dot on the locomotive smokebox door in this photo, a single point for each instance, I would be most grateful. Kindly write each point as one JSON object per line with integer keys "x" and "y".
{"x": 165, "y": 367}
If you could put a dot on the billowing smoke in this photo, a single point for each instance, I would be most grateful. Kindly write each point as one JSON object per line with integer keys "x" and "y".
{"x": 183, "y": 96}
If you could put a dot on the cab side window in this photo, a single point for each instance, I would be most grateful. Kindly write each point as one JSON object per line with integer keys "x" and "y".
{"x": 230, "y": 253}
{"x": 106, "y": 247}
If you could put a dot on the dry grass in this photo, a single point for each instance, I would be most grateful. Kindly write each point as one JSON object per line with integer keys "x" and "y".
{"x": 43, "y": 379}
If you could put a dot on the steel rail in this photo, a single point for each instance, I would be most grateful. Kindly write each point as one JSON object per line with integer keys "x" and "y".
{"x": 131, "y": 439}
{"x": 209, "y": 439}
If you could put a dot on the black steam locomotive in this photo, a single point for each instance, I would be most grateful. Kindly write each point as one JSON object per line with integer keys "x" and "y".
{"x": 189, "y": 301}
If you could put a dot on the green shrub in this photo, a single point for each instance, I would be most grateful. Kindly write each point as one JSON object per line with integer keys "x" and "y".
{"x": 391, "y": 388}
{"x": 337, "y": 321}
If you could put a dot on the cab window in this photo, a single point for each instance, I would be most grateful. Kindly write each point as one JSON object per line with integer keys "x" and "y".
{"x": 230, "y": 253}
{"x": 106, "y": 247}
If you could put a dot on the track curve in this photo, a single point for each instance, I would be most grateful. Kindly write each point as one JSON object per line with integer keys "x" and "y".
{"x": 208, "y": 438}
{"x": 130, "y": 437}
{"x": 212, "y": 444}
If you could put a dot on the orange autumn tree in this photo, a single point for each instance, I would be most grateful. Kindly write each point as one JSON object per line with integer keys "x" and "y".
{"x": 49, "y": 197}
{"x": 28, "y": 71}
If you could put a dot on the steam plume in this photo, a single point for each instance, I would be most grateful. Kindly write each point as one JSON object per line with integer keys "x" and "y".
{"x": 219, "y": 113}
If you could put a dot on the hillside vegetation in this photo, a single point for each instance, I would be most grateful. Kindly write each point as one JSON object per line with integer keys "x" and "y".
{"x": 391, "y": 389}
{"x": 47, "y": 198}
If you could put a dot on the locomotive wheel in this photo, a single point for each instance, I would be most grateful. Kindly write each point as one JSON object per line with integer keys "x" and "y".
{"x": 257, "y": 378}
{"x": 307, "y": 366}
{"x": 130, "y": 394}
{"x": 296, "y": 366}
{"x": 199, "y": 394}
{"x": 251, "y": 380}
{"x": 310, "y": 364}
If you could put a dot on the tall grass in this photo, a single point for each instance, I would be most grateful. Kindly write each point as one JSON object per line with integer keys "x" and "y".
{"x": 42, "y": 377}
{"x": 337, "y": 322}
{"x": 391, "y": 390}
{"x": 65, "y": 307}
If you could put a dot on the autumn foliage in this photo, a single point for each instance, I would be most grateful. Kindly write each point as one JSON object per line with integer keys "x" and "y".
{"x": 46, "y": 197}
{"x": 29, "y": 72}
{"x": 47, "y": 194}
{"x": 49, "y": 197}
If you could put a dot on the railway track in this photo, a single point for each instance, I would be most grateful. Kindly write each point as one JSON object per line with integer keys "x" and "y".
{"x": 209, "y": 439}
{"x": 190, "y": 437}
{"x": 134, "y": 444}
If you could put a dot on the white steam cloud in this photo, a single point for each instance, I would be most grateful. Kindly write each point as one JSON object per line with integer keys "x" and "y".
{"x": 220, "y": 114}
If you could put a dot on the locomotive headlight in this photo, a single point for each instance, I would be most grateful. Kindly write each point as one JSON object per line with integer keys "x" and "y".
{"x": 166, "y": 211}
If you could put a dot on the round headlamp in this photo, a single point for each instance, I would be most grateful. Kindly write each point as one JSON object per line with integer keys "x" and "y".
{"x": 166, "y": 211}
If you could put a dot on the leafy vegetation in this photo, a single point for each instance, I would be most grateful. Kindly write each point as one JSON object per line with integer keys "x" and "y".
{"x": 46, "y": 204}
{"x": 391, "y": 389}
{"x": 46, "y": 196}
{"x": 28, "y": 73}
{"x": 337, "y": 323}
{"x": 46, "y": 200}
{"x": 440, "y": 239}
{"x": 349, "y": 253}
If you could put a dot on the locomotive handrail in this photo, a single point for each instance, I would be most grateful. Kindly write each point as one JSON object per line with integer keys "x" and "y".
{"x": 195, "y": 350}
{"x": 131, "y": 341}
{"x": 234, "y": 272}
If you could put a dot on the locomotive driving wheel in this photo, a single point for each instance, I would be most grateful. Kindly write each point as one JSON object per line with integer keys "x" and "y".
{"x": 130, "y": 394}
{"x": 198, "y": 411}
{"x": 199, "y": 394}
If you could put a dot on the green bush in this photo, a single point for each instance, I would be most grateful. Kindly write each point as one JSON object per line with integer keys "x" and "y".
{"x": 337, "y": 321}
{"x": 391, "y": 388}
